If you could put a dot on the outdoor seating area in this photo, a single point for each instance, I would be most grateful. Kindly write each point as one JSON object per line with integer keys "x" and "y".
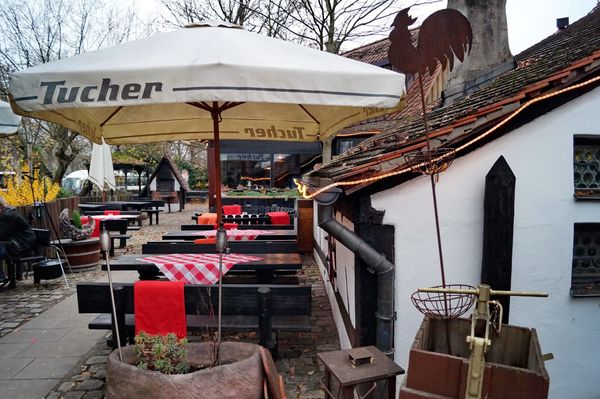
{"x": 269, "y": 274}
{"x": 314, "y": 199}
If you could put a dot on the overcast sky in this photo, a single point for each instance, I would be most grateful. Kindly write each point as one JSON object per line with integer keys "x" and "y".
{"x": 529, "y": 21}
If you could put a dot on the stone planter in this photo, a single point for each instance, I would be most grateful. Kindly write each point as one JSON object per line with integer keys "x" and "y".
{"x": 241, "y": 376}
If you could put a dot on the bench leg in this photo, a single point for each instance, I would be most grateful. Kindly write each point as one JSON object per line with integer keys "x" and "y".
{"x": 11, "y": 273}
{"x": 265, "y": 331}
{"x": 111, "y": 251}
{"x": 119, "y": 293}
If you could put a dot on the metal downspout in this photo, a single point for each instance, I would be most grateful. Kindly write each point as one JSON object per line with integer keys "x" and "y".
{"x": 376, "y": 262}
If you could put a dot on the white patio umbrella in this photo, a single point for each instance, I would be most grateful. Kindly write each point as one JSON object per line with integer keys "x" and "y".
{"x": 9, "y": 122}
{"x": 101, "y": 171}
{"x": 209, "y": 80}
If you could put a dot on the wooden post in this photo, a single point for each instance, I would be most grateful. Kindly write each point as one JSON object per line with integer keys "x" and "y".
{"x": 265, "y": 333}
{"x": 210, "y": 162}
{"x": 498, "y": 223}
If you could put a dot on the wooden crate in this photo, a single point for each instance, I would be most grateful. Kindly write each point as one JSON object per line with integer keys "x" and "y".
{"x": 514, "y": 365}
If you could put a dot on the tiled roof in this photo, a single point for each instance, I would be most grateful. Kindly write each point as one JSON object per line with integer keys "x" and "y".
{"x": 376, "y": 53}
{"x": 557, "y": 61}
{"x": 165, "y": 160}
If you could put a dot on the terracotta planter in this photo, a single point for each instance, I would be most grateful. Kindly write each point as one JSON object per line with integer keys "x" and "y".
{"x": 241, "y": 377}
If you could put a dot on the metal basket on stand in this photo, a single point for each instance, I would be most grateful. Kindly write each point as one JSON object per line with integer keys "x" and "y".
{"x": 438, "y": 305}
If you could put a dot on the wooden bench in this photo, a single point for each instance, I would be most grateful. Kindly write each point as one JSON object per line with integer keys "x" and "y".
{"x": 265, "y": 309}
{"x": 121, "y": 238}
{"x": 151, "y": 212}
{"x": 119, "y": 228}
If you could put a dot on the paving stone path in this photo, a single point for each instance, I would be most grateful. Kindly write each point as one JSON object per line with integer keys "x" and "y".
{"x": 27, "y": 300}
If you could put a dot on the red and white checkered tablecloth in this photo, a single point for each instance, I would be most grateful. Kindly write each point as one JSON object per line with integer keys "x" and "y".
{"x": 196, "y": 268}
{"x": 235, "y": 235}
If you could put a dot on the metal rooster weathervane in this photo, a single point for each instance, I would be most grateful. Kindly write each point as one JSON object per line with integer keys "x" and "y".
{"x": 444, "y": 34}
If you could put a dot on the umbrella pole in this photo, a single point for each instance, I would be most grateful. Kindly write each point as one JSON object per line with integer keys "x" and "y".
{"x": 221, "y": 241}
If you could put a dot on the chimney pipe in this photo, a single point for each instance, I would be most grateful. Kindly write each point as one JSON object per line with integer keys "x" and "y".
{"x": 562, "y": 23}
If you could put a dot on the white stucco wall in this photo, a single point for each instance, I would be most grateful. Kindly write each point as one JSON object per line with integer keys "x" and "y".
{"x": 541, "y": 157}
{"x": 344, "y": 261}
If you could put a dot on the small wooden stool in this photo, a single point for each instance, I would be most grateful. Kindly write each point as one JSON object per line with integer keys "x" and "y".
{"x": 370, "y": 365}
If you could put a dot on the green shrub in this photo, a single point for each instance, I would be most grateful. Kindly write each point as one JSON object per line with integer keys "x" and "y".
{"x": 164, "y": 354}
{"x": 76, "y": 218}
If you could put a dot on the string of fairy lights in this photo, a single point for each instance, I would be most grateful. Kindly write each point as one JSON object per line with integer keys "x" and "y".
{"x": 303, "y": 188}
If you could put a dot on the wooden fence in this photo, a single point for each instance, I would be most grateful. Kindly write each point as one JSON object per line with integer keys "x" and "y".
{"x": 53, "y": 210}
{"x": 114, "y": 197}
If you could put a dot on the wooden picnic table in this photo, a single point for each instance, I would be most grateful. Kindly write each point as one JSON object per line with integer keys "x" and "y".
{"x": 264, "y": 235}
{"x": 264, "y": 268}
{"x": 92, "y": 207}
{"x": 125, "y": 205}
{"x": 102, "y": 218}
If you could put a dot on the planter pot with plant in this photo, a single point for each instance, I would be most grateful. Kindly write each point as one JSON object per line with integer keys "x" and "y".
{"x": 165, "y": 367}
{"x": 71, "y": 227}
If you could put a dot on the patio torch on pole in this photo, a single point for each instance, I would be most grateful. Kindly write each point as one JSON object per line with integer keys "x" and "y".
{"x": 105, "y": 247}
{"x": 222, "y": 248}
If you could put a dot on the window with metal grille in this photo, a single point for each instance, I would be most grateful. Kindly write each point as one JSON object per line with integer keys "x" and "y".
{"x": 585, "y": 274}
{"x": 586, "y": 167}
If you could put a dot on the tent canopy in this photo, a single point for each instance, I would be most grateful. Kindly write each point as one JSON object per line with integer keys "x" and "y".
{"x": 9, "y": 122}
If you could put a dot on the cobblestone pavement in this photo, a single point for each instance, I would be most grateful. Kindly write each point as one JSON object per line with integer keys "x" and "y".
{"x": 297, "y": 351}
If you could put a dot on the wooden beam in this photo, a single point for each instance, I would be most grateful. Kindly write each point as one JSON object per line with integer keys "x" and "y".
{"x": 498, "y": 224}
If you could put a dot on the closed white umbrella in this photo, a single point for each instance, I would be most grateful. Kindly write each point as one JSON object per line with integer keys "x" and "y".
{"x": 101, "y": 167}
{"x": 9, "y": 122}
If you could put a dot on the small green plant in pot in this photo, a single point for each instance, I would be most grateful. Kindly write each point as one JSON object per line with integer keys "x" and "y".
{"x": 165, "y": 354}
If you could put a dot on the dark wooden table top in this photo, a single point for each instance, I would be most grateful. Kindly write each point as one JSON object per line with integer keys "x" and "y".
{"x": 267, "y": 262}
{"x": 266, "y": 235}
{"x": 94, "y": 206}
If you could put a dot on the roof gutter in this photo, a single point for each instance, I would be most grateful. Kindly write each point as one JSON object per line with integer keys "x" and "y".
{"x": 375, "y": 262}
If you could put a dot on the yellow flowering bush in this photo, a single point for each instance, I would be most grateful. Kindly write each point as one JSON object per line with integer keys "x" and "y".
{"x": 21, "y": 191}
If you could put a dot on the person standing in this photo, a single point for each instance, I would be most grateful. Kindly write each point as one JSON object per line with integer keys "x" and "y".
{"x": 16, "y": 237}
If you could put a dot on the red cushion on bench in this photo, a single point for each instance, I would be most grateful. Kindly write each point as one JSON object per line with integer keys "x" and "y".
{"x": 227, "y": 226}
{"x": 209, "y": 240}
{"x": 207, "y": 218}
{"x": 232, "y": 209}
{"x": 112, "y": 212}
{"x": 279, "y": 217}
{"x": 159, "y": 307}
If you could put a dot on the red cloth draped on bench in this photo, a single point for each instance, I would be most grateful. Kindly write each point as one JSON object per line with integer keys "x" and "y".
{"x": 232, "y": 209}
{"x": 279, "y": 217}
{"x": 195, "y": 268}
{"x": 228, "y": 226}
{"x": 112, "y": 212}
{"x": 159, "y": 308}
{"x": 232, "y": 234}
{"x": 86, "y": 220}
{"x": 207, "y": 218}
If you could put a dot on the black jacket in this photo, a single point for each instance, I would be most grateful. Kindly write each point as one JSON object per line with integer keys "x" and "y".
{"x": 15, "y": 230}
